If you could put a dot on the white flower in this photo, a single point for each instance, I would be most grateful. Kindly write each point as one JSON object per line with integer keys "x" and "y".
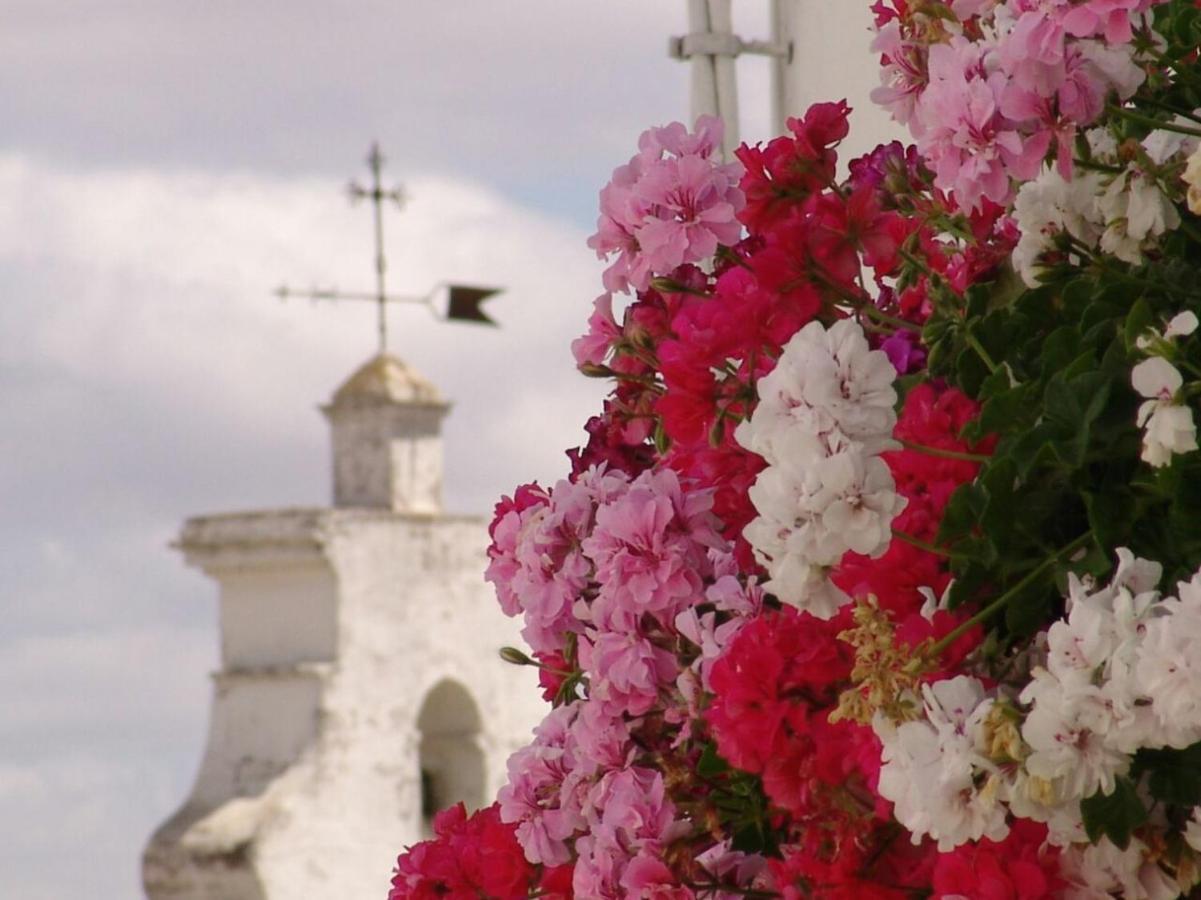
{"x": 1067, "y": 731}
{"x": 1135, "y": 212}
{"x": 930, "y": 767}
{"x": 1049, "y": 205}
{"x": 1192, "y": 833}
{"x": 1102, "y": 871}
{"x": 1180, "y": 325}
{"x": 1162, "y": 144}
{"x": 1168, "y": 426}
{"x": 1116, "y": 63}
{"x": 1192, "y": 177}
{"x": 1168, "y": 671}
{"x": 832, "y": 385}
{"x": 824, "y": 414}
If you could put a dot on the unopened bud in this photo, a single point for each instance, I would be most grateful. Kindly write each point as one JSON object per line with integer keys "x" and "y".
{"x": 668, "y": 285}
{"x": 516, "y": 657}
{"x": 592, "y": 370}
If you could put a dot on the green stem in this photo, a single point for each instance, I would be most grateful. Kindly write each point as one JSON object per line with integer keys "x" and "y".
{"x": 944, "y": 453}
{"x": 873, "y": 313}
{"x": 979, "y": 348}
{"x": 1098, "y": 167}
{"x": 1167, "y": 108}
{"x": 1152, "y": 122}
{"x": 1004, "y": 600}
{"x": 907, "y": 538}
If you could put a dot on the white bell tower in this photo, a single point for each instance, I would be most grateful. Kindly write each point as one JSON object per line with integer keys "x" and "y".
{"x": 360, "y": 684}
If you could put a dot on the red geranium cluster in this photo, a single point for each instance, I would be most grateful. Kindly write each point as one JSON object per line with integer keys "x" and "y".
{"x": 471, "y": 857}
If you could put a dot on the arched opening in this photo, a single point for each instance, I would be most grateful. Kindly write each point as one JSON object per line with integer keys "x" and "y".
{"x": 452, "y": 762}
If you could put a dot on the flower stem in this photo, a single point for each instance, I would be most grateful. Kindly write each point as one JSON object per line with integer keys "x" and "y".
{"x": 943, "y": 452}
{"x": 980, "y": 351}
{"x": 873, "y": 313}
{"x": 907, "y": 538}
{"x": 1151, "y": 121}
{"x": 1004, "y": 600}
{"x": 1172, "y": 109}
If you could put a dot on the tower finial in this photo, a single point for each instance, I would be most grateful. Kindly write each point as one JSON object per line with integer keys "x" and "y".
{"x": 377, "y": 195}
{"x": 462, "y": 302}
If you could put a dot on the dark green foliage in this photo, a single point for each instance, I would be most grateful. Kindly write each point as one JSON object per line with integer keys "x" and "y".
{"x": 1114, "y": 815}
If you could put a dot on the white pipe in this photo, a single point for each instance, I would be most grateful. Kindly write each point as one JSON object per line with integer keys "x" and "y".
{"x": 703, "y": 98}
{"x": 726, "y": 84}
{"x": 781, "y": 35}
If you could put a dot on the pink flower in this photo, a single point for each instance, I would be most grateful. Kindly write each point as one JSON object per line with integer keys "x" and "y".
{"x": 1110, "y": 19}
{"x": 603, "y": 332}
{"x": 647, "y": 878}
{"x": 902, "y": 75}
{"x": 972, "y": 148}
{"x": 671, "y": 204}
{"x": 695, "y": 205}
{"x": 533, "y": 799}
{"x": 627, "y": 671}
{"x": 1032, "y": 53}
{"x": 650, "y": 550}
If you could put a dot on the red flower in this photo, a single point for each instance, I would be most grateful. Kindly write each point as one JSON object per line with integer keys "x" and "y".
{"x": 468, "y": 858}
{"x": 781, "y": 669}
{"x": 787, "y": 170}
{"x": 1021, "y": 867}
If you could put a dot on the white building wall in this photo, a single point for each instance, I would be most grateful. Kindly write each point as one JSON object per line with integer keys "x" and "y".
{"x": 832, "y": 60}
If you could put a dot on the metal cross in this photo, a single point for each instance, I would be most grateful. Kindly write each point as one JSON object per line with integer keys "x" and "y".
{"x": 462, "y": 301}
{"x": 378, "y": 195}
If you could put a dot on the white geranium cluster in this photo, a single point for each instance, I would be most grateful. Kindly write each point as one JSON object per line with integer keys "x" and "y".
{"x": 825, "y": 414}
{"x": 1122, "y": 210}
{"x": 1168, "y": 426}
{"x": 934, "y": 767}
{"x": 1102, "y": 870}
{"x": 1120, "y": 673}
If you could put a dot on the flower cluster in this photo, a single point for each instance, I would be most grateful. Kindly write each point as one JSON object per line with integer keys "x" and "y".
{"x": 828, "y": 604}
{"x": 1117, "y": 676}
{"x": 989, "y": 88}
{"x": 1167, "y": 423}
{"x": 825, "y": 414}
{"x": 473, "y": 856}
{"x": 670, "y": 204}
{"x": 1123, "y": 204}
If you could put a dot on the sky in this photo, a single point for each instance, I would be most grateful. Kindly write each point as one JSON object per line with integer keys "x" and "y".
{"x": 164, "y": 164}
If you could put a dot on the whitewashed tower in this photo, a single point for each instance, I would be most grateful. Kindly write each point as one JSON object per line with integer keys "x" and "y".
{"x": 361, "y": 686}
{"x": 358, "y": 660}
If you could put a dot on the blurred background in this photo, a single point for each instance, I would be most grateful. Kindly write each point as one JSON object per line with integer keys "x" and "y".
{"x": 164, "y": 165}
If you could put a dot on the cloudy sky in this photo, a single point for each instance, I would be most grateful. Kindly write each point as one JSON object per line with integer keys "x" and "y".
{"x": 163, "y": 165}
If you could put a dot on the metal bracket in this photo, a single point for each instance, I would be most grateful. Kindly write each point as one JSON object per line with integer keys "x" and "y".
{"x": 711, "y": 44}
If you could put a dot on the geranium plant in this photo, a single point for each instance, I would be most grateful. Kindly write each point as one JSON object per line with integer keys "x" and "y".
{"x": 877, "y": 575}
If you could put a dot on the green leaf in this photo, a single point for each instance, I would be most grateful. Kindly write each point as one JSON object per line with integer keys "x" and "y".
{"x": 1138, "y": 320}
{"x": 1110, "y": 513}
{"x": 1114, "y": 815}
{"x": 710, "y": 763}
{"x": 1175, "y": 775}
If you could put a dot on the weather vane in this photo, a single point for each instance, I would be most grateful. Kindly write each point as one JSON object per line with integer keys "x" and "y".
{"x": 462, "y": 301}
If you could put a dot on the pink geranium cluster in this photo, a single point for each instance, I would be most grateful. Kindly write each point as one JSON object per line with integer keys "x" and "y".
{"x": 990, "y": 88}
{"x": 671, "y": 204}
